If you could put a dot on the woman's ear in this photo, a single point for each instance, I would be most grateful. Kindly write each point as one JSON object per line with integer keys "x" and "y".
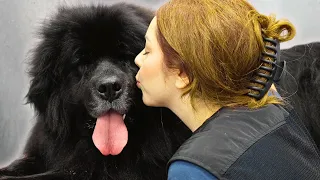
{"x": 182, "y": 80}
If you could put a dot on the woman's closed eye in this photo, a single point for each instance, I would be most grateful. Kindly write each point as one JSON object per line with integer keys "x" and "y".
{"x": 145, "y": 53}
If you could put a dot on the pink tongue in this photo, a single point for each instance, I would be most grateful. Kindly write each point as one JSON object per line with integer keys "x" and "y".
{"x": 110, "y": 134}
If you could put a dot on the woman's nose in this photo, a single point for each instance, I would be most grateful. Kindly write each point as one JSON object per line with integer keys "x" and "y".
{"x": 137, "y": 60}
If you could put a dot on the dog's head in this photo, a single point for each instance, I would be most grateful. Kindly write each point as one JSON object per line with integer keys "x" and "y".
{"x": 83, "y": 68}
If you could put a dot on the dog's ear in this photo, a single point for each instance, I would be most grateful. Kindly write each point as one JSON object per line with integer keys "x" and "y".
{"x": 132, "y": 21}
{"x": 47, "y": 61}
{"x": 144, "y": 13}
{"x": 44, "y": 63}
{"x": 41, "y": 73}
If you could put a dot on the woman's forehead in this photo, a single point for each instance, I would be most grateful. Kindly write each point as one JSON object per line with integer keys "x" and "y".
{"x": 151, "y": 32}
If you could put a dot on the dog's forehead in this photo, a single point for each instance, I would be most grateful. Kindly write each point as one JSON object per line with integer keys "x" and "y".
{"x": 108, "y": 65}
{"x": 99, "y": 31}
{"x": 106, "y": 62}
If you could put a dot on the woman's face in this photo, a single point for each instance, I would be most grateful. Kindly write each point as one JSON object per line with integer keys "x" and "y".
{"x": 153, "y": 78}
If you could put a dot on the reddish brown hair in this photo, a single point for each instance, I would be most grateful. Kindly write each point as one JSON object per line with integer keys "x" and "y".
{"x": 217, "y": 43}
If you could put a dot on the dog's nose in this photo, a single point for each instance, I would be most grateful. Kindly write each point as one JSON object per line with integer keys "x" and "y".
{"x": 110, "y": 89}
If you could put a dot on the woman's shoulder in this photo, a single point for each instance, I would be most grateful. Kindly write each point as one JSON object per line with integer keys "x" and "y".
{"x": 226, "y": 134}
{"x": 235, "y": 136}
{"x": 242, "y": 117}
{"x": 183, "y": 170}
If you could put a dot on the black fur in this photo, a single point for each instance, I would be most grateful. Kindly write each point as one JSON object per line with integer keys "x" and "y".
{"x": 301, "y": 86}
{"x": 80, "y": 48}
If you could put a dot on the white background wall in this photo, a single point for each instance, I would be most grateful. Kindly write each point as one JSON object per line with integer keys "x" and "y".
{"x": 304, "y": 14}
{"x": 19, "y": 20}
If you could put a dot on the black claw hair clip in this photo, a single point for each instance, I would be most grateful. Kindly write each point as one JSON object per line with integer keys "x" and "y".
{"x": 276, "y": 70}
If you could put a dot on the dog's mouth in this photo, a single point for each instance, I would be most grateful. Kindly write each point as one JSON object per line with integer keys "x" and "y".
{"x": 107, "y": 122}
{"x": 110, "y": 134}
{"x": 109, "y": 131}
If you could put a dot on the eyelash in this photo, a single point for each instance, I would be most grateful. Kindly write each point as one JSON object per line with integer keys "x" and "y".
{"x": 145, "y": 53}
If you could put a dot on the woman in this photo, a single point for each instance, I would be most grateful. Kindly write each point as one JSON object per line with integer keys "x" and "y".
{"x": 212, "y": 62}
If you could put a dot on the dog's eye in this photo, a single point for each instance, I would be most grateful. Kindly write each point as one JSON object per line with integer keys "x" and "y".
{"x": 122, "y": 46}
{"x": 75, "y": 60}
{"x": 82, "y": 69}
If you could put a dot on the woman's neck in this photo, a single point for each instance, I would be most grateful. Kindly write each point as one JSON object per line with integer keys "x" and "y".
{"x": 193, "y": 118}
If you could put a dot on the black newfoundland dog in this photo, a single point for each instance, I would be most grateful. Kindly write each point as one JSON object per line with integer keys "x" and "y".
{"x": 91, "y": 122}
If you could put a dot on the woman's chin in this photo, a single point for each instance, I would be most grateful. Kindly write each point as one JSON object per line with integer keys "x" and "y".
{"x": 149, "y": 102}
